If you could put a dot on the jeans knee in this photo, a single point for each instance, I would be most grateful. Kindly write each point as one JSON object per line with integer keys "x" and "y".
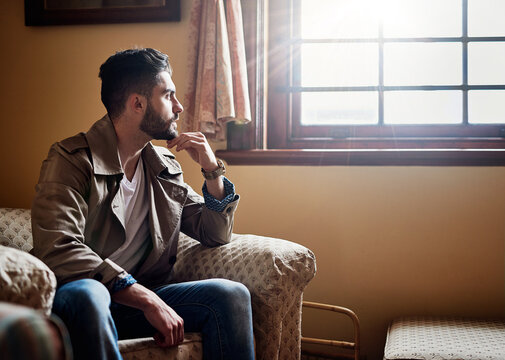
{"x": 233, "y": 294}
{"x": 85, "y": 296}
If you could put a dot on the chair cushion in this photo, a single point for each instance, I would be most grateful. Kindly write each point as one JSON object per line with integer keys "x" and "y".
{"x": 26, "y": 280}
{"x": 445, "y": 338}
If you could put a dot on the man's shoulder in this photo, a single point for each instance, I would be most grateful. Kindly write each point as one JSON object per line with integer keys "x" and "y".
{"x": 74, "y": 149}
{"x": 68, "y": 162}
{"x": 74, "y": 143}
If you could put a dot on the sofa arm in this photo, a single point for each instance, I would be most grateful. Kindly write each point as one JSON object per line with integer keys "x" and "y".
{"x": 26, "y": 280}
{"x": 275, "y": 271}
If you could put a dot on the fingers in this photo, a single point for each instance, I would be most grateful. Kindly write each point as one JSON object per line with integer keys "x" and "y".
{"x": 188, "y": 140}
{"x": 195, "y": 143}
{"x": 181, "y": 333}
{"x": 173, "y": 333}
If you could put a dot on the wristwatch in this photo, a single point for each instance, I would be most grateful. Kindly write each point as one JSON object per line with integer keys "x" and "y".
{"x": 210, "y": 175}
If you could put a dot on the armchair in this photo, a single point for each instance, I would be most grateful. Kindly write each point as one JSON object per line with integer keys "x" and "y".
{"x": 275, "y": 271}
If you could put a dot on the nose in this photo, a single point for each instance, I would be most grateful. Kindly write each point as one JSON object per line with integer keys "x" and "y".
{"x": 177, "y": 106}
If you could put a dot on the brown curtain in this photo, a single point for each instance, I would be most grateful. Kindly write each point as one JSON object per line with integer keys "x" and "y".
{"x": 217, "y": 87}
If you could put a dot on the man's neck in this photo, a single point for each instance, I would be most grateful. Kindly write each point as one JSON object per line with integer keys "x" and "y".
{"x": 131, "y": 141}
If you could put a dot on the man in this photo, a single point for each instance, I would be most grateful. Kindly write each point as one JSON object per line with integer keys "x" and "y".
{"x": 106, "y": 219}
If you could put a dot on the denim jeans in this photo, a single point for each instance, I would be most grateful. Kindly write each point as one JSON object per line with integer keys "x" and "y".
{"x": 220, "y": 309}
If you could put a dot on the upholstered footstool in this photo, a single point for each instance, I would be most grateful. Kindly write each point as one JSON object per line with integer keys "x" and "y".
{"x": 445, "y": 338}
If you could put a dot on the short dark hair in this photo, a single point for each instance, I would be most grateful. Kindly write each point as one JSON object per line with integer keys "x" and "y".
{"x": 129, "y": 71}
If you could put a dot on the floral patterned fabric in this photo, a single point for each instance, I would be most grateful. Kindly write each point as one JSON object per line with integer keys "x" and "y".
{"x": 445, "y": 338}
{"x": 217, "y": 86}
{"x": 275, "y": 271}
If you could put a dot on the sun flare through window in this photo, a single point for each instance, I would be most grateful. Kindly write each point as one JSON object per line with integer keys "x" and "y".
{"x": 387, "y": 73}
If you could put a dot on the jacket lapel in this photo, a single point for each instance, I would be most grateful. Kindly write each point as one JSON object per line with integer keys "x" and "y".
{"x": 102, "y": 141}
{"x": 167, "y": 196}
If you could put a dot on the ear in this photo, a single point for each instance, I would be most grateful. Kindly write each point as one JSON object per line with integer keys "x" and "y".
{"x": 136, "y": 103}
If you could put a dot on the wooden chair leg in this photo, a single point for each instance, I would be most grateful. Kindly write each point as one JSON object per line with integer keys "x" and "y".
{"x": 355, "y": 346}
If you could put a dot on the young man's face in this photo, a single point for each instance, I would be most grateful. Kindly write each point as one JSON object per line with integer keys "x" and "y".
{"x": 162, "y": 110}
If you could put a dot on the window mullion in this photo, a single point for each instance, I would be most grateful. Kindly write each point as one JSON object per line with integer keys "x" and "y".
{"x": 465, "y": 60}
{"x": 381, "y": 73}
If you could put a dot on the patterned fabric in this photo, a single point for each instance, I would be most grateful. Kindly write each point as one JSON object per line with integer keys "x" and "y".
{"x": 145, "y": 348}
{"x": 16, "y": 228}
{"x": 445, "y": 338}
{"x": 25, "y": 334}
{"x": 275, "y": 271}
{"x": 124, "y": 282}
{"x": 217, "y": 86}
{"x": 219, "y": 205}
{"x": 26, "y": 280}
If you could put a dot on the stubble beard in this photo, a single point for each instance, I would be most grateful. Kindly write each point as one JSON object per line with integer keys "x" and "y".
{"x": 156, "y": 127}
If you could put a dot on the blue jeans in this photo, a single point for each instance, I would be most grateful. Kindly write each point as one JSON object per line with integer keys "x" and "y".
{"x": 220, "y": 309}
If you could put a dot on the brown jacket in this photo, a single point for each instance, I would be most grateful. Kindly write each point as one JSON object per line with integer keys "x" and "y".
{"x": 78, "y": 213}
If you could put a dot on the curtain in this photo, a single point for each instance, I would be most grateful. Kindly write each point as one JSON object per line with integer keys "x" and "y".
{"x": 217, "y": 86}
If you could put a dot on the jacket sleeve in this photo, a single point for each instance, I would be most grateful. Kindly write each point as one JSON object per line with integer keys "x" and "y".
{"x": 59, "y": 213}
{"x": 211, "y": 228}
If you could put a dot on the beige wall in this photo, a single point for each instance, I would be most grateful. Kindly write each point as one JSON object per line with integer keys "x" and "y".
{"x": 389, "y": 240}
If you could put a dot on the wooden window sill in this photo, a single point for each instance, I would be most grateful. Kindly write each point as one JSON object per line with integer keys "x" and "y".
{"x": 366, "y": 157}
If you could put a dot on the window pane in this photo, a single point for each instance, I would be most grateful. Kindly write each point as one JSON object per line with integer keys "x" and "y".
{"x": 423, "y": 107}
{"x": 341, "y": 64}
{"x": 486, "y": 63}
{"x": 486, "y": 106}
{"x": 339, "y": 19}
{"x": 422, "y": 64}
{"x": 486, "y": 18}
{"x": 422, "y": 18}
{"x": 339, "y": 108}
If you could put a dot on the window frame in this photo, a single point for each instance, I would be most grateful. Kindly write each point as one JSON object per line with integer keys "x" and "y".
{"x": 273, "y": 139}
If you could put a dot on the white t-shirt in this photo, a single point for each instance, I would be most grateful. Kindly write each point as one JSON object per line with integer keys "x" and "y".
{"x": 134, "y": 194}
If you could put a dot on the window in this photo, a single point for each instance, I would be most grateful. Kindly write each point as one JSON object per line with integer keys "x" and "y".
{"x": 394, "y": 75}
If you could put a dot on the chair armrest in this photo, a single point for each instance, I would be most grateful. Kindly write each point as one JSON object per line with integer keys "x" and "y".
{"x": 266, "y": 266}
{"x": 275, "y": 271}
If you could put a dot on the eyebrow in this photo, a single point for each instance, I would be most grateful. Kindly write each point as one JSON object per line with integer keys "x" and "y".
{"x": 168, "y": 90}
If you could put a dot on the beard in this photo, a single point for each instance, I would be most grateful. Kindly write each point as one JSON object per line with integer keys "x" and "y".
{"x": 156, "y": 127}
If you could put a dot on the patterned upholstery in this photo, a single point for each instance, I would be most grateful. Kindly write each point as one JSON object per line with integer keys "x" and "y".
{"x": 445, "y": 338}
{"x": 137, "y": 349}
{"x": 16, "y": 228}
{"x": 275, "y": 271}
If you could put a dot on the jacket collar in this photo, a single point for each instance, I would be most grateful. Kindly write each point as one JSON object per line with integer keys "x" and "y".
{"x": 102, "y": 141}
{"x": 155, "y": 157}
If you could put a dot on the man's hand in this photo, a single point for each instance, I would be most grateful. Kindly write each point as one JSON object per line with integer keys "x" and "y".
{"x": 162, "y": 317}
{"x": 170, "y": 326}
{"x": 195, "y": 143}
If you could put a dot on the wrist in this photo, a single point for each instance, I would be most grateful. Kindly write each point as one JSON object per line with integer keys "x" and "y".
{"x": 136, "y": 296}
{"x": 211, "y": 167}
{"x": 214, "y": 173}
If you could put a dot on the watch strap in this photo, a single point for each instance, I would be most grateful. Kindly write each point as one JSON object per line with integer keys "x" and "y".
{"x": 211, "y": 175}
